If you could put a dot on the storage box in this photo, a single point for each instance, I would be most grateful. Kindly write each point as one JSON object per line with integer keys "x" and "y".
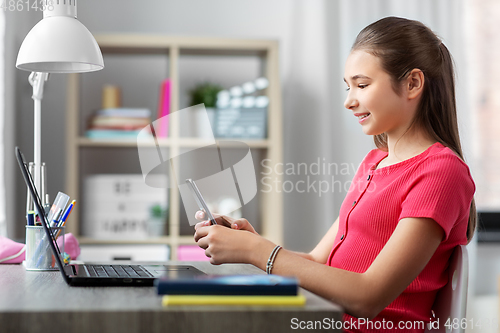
{"x": 191, "y": 253}
{"x": 247, "y": 123}
{"x": 119, "y": 206}
{"x": 129, "y": 252}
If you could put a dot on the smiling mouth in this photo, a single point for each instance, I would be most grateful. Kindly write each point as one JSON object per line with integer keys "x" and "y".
{"x": 363, "y": 116}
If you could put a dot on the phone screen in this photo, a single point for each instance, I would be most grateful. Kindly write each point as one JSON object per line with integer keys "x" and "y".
{"x": 202, "y": 205}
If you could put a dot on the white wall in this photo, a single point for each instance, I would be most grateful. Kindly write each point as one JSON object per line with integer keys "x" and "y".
{"x": 17, "y": 96}
{"x": 488, "y": 263}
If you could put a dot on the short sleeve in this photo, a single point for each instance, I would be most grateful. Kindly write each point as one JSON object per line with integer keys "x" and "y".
{"x": 441, "y": 188}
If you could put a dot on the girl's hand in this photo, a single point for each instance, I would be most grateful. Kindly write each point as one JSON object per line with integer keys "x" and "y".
{"x": 237, "y": 224}
{"x": 224, "y": 245}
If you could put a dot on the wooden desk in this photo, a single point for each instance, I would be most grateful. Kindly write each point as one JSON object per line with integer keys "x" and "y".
{"x": 42, "y": 302}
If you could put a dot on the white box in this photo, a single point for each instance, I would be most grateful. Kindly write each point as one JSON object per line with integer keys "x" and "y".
{"x": 119, "y": 206}
{"x": 133, "y": 252}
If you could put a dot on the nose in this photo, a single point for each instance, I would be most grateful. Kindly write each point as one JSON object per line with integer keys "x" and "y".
{"x": 350, "y": 102}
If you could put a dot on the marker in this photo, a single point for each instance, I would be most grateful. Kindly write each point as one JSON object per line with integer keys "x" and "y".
{"x": 55, "y": 219}
{"x": 31, "y": 217}
{"x": 38, "y": 221}
{"x": 58, "y": 206}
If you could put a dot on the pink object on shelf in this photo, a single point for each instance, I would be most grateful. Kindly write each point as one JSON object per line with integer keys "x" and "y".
{"x": 191, "y": 253}
{"x": 164, "y": 107}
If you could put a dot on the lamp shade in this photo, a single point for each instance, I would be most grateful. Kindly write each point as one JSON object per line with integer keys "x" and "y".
{"x": 59, "y": 44}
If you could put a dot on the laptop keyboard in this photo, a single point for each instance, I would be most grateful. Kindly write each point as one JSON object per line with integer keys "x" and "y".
{"x": 118, "y": 271}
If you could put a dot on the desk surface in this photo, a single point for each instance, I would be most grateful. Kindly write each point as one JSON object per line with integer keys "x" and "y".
{"x": 43, "y": 302}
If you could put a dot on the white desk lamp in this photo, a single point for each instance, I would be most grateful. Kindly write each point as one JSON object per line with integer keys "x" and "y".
{"x": 59, "y": 43}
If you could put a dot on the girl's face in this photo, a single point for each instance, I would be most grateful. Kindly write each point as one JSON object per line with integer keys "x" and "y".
{"x": 371, "y": 96}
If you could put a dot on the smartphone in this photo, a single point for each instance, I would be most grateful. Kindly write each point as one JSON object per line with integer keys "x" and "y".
{"x": 199, "y": 200}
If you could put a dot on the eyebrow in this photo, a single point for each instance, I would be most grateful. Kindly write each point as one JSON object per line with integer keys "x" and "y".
{"x": 357, "y": 76}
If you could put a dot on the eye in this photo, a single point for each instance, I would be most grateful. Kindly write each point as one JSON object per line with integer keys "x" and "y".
{"x": 362, "y": 86}
{"x": 348, "y": 88}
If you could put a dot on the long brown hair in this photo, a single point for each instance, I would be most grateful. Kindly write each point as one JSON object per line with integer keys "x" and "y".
{"x": 403, "y": 45}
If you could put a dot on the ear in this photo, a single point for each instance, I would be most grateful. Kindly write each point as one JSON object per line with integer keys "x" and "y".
{"x": 415, "y": 83}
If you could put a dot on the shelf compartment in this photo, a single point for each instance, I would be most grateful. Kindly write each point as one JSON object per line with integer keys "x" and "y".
{"x": 195, "y": 142}
{"x": 181, "y": 240}
{"x": 138, "y": 76}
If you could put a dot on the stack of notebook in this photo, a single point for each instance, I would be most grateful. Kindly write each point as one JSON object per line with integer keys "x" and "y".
{"x": 230, "y": 290}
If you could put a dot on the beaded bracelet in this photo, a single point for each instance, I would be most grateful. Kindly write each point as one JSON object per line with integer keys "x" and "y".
{"x": 272, "y": 257}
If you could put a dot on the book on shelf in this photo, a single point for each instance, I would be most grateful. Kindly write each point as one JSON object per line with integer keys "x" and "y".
{"x": 228, "y": 285}
{"x": 118, "y": 123}
{"x": 164, "y": 108}
{"x": 111, "y": 134}
{"x": 125, "y": 112}
{"x": 269, "y": 300}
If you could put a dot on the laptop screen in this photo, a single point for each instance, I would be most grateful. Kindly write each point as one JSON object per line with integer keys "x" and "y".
{"x": 38, "y": 205}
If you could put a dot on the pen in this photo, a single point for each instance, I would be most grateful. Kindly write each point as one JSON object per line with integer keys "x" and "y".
{"x": 53, "y": 219}
{"x": 62, "y": 222}
{"x": 66, "y": 213}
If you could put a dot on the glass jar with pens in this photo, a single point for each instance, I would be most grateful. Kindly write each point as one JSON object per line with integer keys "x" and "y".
{"x": 39, "y": 255}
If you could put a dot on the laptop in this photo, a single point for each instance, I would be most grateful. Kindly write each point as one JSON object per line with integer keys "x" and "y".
{"x": 102, "y": 275}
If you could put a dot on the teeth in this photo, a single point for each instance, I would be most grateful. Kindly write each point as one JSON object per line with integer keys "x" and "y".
{"x": 363, "y": 116}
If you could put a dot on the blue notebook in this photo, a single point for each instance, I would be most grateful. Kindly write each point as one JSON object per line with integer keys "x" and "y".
{"x": 228, "y": 285}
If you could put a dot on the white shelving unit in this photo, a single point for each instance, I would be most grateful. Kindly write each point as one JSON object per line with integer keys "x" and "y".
{"x": 174, "y": 48}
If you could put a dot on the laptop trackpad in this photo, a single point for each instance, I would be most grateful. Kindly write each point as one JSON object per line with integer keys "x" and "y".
{"x": 173, "y": 271}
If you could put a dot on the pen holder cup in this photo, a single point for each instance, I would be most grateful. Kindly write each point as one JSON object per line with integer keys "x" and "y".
{"x": 39, "y": 256}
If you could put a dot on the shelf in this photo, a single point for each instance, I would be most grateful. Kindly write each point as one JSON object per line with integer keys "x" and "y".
{"x": 182, "y": 142}
{"x": 181, "y": 240}
{"x": 86, "y": 142}
{"x": 157, "y": 44}
{"x": 194, "y": 142}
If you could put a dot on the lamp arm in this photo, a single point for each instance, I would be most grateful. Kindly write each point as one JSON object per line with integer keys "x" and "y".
{"x": 37, "y": 80}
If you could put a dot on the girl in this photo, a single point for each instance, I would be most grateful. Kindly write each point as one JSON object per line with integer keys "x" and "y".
{"x": 411, "y": 201}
